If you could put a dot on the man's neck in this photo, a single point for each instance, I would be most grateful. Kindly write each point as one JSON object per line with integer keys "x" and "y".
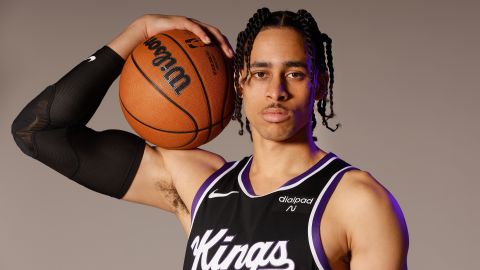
{"x": 277, "y": 162}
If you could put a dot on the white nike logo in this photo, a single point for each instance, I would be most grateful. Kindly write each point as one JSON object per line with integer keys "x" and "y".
{"x": 216, "y": 195}
{"x": 91, "y": 58}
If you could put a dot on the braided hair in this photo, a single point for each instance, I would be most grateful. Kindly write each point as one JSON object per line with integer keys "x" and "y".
{"x": 320, "y": 56}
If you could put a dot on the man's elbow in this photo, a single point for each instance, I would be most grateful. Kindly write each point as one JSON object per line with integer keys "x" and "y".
{"x": 23, "y": 134}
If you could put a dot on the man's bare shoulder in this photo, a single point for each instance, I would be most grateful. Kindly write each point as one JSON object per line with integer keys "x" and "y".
{"x": 368, "y": 212}
{"x": 358, "y": 185}
{"x": 360, "y": 194}
{"x": 185, "y": 162}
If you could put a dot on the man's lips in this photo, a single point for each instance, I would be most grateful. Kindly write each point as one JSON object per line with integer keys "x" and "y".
{"x": 275, "y": 115}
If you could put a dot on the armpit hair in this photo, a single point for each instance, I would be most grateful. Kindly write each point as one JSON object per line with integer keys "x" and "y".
{"x": 172, "y": 196}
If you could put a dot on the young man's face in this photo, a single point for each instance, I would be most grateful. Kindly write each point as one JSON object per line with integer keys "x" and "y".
{"x": 277, "y": 96}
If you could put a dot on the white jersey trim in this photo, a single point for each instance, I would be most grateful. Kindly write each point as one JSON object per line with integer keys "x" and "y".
{"x": 312, "y": 214}
{"x": 243, "y": 188}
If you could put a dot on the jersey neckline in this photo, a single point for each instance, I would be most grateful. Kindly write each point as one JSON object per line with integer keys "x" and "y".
{"x": 246, "y": 185}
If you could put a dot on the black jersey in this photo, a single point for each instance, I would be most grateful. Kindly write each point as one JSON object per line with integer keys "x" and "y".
{"x": 233, "y": 228}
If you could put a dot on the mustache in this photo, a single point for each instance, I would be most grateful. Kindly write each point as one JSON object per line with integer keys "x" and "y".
{"x": 275, "y": 105}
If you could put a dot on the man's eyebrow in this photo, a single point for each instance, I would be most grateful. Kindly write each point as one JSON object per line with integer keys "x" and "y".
{"x": 260, "y": 64}
{"x": 286, "y": 64}
{"x": 295, "y": 64}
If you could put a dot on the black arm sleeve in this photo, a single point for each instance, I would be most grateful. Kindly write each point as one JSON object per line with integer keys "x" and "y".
{"x": 51, "y": 129}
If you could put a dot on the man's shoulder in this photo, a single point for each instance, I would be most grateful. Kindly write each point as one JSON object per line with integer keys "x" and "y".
{"x": 361, "y": 185}
{"x": 368, "y": 212}
{"x": 188, "y": 168}
{"x": 362, "y": 202}
{"x": 359, "y": 190}
{"x": 357, "y": 195}
{"x": 191, "y": 160}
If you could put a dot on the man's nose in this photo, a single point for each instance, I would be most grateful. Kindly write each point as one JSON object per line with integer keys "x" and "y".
{"x": 277, "y": 89}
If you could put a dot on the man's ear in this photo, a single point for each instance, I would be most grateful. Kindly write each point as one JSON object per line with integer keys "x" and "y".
{"x": 322, "y": 88}
{"x": 241, "y": 84}
{"x": 239, "y": 90}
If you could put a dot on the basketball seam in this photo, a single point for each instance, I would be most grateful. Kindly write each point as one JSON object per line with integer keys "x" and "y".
{"x": 201, "y": 82}
{"x": 168, "y": 98}
{"x": 167, "y": 131}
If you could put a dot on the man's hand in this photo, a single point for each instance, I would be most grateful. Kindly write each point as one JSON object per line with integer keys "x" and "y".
{"x": 151, "y": 24}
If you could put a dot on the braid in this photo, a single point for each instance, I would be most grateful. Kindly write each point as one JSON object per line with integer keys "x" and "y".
{"x": 242, "y": 56}
{"x": 325, "y": 117}
{"x": 249, "y": 130}
{"x": 310, "y": 36}
{"x": 315, "y": 39}
{"x": 237, "y": 114}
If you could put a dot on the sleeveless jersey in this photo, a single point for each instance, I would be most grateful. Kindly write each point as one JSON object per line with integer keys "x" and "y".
{"x": 233, "y": 228}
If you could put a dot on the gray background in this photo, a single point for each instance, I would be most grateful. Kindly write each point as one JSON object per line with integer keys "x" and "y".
{"x": 406, "y": 88}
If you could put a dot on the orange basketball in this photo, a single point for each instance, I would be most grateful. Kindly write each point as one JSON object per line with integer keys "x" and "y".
{"x": 177, "y": 92}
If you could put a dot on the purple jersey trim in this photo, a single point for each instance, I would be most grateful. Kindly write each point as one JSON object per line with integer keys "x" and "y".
{"x": 318, "y": 210}
{"x": 205, "y": 185}
{"x": 246, "y": 179}
{"x": 248, "y": 185}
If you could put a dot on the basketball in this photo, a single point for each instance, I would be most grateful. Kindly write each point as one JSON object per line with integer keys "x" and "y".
{"x": 177, "y": 92}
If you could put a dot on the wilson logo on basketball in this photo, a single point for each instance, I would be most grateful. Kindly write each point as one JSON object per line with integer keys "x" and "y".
{"x": 174, "y": 75}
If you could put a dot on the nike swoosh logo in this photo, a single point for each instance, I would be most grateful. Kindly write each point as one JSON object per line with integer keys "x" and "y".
{"x": 91, "y": 58}
{"x": 214, "y": 194}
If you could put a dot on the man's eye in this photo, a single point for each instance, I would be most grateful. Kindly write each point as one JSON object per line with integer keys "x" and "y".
{"x": 259, "y": 74}
{"x": 296, "y": 75}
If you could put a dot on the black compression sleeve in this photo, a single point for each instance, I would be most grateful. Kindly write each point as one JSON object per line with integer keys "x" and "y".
{"x": 51, "y": 129}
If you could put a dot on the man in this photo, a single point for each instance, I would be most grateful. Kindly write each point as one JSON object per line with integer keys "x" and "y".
{"x": 288, "y": 206}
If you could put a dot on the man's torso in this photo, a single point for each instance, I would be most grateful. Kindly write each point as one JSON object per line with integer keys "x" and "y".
{"x": 233, "y": 228}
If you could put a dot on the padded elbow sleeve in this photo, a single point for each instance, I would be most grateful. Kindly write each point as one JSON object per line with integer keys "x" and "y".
{"x": 105, "y": 161}
{"x": 51, "y": 129}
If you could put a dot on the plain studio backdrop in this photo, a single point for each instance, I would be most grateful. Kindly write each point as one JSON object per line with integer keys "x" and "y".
{"x": 406, "y": 93}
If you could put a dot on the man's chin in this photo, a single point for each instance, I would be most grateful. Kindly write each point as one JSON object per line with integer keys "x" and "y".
{"x": 283, "y": 134}
{"x": 277, "y": 135}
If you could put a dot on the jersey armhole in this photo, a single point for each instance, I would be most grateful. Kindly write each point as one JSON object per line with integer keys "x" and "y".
{"x": 314, "y": 238}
